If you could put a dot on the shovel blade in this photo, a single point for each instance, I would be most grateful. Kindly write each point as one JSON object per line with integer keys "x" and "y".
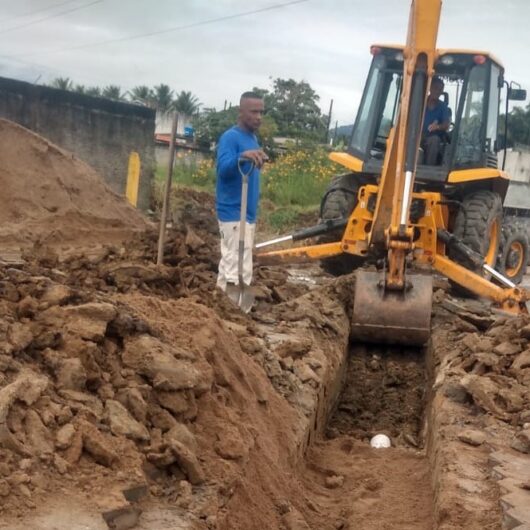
{"x": 241, "y": 295}
{"x": 392, "y": 317}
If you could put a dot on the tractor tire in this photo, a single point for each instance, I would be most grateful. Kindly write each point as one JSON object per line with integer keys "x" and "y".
{"x": 338, "y": 202}
{"x": 513, "y": 252}
{"x": 478, "y": 224}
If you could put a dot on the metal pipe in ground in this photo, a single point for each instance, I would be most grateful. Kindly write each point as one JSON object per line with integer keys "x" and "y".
{"x": 167, "y": 189}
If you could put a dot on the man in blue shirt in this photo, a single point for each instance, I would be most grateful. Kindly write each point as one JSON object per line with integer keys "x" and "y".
{"x": 238, "y": 142}
{"x": 435, "y": 123}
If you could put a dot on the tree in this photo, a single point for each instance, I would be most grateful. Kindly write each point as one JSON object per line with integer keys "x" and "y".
{"x": 163, "y": 98}
{"x": 294, "y": 108}
{"x": 142, "y": 95}
{"x": 63, "y": 83}
{"x": 113, "y": 92}
{"x": 210, "y": 124}
{"x": 518, "y": 127}
{"x": 80, "y": 89}
{"x": 186, "y": 103}
{"x": 94, "y": 91}
{"x": 267, "y": 132}
{"x": 291, "y": 110}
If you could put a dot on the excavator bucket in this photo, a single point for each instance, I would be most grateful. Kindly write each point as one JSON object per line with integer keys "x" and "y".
{"x": 392, "y": 317}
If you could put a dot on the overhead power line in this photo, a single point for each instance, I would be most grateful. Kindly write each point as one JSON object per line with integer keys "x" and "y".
{"x": 48, "y": 17}
{"x": 35, "y": 12}
{"x": 162, "y": 31}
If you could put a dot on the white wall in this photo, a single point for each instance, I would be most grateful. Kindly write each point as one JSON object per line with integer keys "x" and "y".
{"x": 517, "y": 164}
{"x": 164, "y": 121}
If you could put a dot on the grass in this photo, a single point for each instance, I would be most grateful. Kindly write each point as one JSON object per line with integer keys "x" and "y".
{"x": 200, "y": 175}
{"x": 298, "y": 178}
{"x": 291, "y": 187}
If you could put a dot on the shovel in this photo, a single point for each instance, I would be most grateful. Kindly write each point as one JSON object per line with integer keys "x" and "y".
{"x": 241, "y": 294}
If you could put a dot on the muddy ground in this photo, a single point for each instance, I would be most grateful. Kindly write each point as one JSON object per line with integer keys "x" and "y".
{"x": 138, "y": 396}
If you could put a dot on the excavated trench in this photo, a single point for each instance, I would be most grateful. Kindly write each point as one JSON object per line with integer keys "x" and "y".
{"x": 384, "y": 391}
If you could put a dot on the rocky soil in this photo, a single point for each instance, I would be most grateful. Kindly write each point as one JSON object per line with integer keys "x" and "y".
{"x": 138, "y": 396}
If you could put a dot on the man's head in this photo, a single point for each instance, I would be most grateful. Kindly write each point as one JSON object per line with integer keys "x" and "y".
{"x": 437, "y": 87}
{"x": 250, "y": 111}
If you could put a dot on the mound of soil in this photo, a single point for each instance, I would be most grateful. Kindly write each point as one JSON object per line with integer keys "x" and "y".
{"x": 48, "y": 195}
{"x": 131, "y": 386}
{"x": 106, "y": 383}
{"x": 116, "y": 373}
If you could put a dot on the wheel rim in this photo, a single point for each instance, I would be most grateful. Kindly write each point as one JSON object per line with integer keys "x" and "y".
{"x": 491, "y": 254}
{"x": 514, "y": 259}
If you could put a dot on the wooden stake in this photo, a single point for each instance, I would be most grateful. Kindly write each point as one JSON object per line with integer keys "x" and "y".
{"x": 167, "y": 189}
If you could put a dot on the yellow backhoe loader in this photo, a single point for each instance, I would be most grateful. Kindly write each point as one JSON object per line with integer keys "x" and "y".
{"x": 412, "y": 216}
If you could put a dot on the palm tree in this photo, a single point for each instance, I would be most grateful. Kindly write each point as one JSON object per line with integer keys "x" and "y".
{"x": 163, "y": 98}
{"x": 186, "y": 103}
{"x": 142, "y": 95}
{"x": 80, "y": 89}
{"x": 113, "y": 92}
{"x": 63, "y": 83}
{"x": 94, "y": 91}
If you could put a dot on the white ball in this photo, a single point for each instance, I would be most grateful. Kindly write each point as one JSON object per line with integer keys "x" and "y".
{"x": 380, "y": 441}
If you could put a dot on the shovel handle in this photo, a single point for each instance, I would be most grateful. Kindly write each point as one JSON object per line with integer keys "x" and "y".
{"x": 243, "y": 214}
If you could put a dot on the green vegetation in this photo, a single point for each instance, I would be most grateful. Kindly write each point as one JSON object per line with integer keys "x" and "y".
{"x": 291, "y": 186}
{"x": 190, "y": 173}
{"x": 160, "y": 97}
{"x": 291, "y": 109}
{"x": 298, "y": 178}
{"x": 294, "y": 108}
{"x": 518, "y": 126}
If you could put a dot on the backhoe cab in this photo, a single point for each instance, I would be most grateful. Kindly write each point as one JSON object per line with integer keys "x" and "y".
{"x": 394, "y": 208}
{"x": 472, "y": 85}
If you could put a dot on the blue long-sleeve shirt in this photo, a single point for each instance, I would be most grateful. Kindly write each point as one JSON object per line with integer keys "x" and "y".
{"x": 228, "y": 186}
{"x": 440, "y": 113}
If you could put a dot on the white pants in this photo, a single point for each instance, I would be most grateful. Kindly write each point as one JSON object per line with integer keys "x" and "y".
{"x": 228, "y": 266}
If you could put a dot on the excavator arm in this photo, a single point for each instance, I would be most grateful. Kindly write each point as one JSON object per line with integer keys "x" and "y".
{"x": 391, "y": 219}
{"x": 394, "y": 306}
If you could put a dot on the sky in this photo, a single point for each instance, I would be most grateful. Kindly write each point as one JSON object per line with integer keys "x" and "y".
{"x": 323, "y": 42}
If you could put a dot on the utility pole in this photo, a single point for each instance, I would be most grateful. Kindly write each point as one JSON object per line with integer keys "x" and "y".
{"x": 329, "y": 121}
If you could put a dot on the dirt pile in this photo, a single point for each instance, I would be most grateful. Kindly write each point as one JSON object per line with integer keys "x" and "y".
{"x": 485, "y": 362}
{"x": 191, "y": 257}
{"x": 114, "y": 386}
{"x": 50, "y": 196}
{"x": 85, "y": 383}
{"x": 116, "y": 373}
{"x": 478, "y": 415}
{"x": 119, "y": 376}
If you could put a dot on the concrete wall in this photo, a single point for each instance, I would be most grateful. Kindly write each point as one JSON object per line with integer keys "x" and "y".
{"x": 99, "y": 131}
{"x": 518, "y": 167}
{"x": 518, "y": 163}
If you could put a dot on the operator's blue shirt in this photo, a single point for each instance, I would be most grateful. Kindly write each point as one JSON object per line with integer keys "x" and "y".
{"x": 439, "y": 113}
{"x": 228, "y": 186}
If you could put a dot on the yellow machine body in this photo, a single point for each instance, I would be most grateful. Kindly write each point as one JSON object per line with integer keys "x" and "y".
{"x": 395, "y": 305}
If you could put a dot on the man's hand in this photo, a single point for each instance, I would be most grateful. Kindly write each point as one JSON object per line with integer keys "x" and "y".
{"x": 433, "y": 126}
{"x": 257, "y": 156}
